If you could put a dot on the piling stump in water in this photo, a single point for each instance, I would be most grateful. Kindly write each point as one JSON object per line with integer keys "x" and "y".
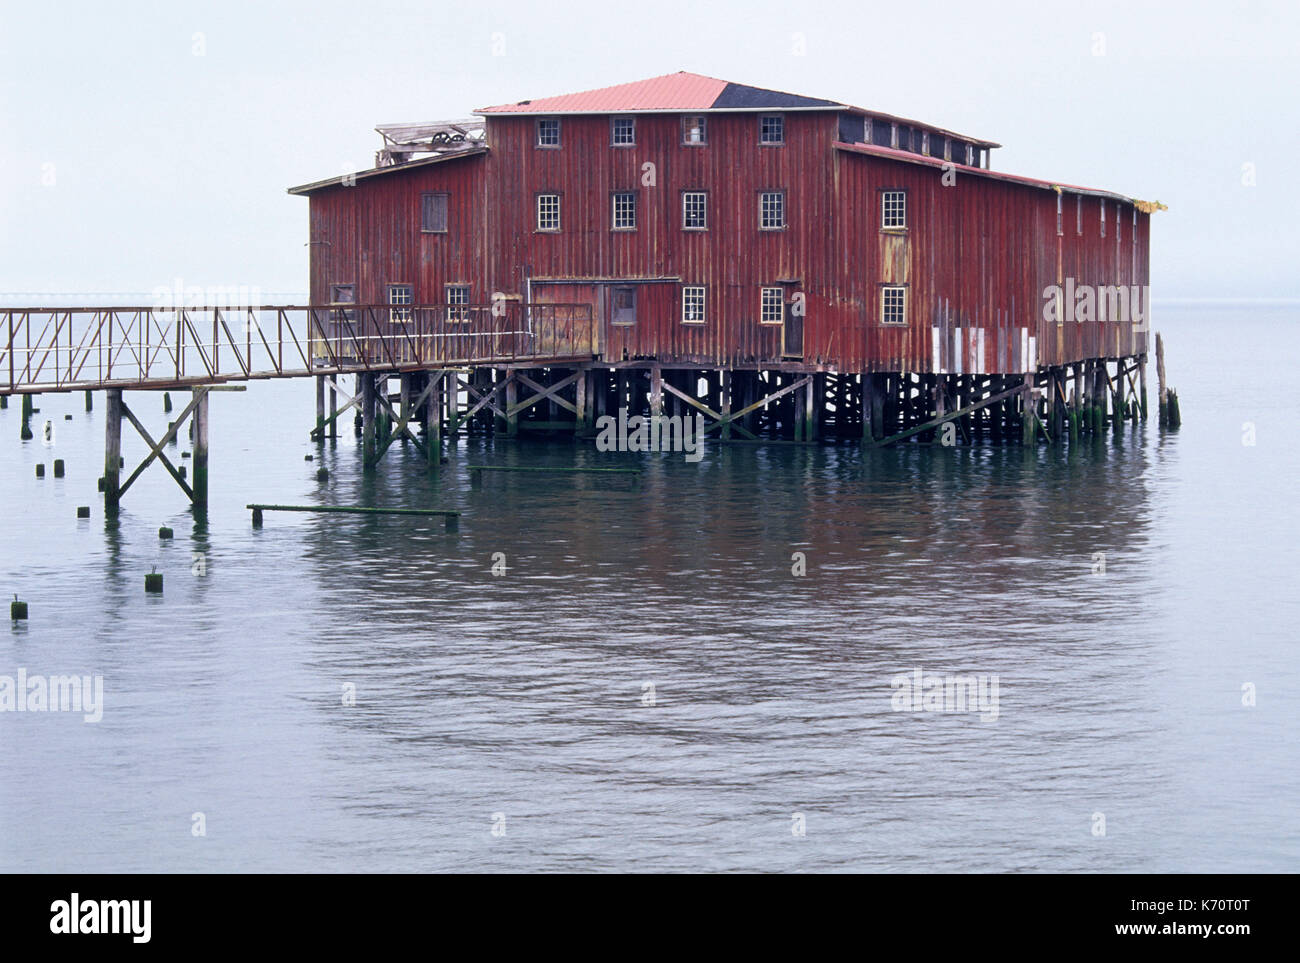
{"x": 257, "y": 518}
{"x": 167, "y": 401}
{"x": 4, "y": 402}
{"x": 153, "y": 582}
{"x": 58, "y": 468}
{"x": 83, "y": 511}
{"x": 40, "y": 469}
{"x": 322, "y": 474}
{"x": 17, "y": 610}
{"x": 164, "y": 532}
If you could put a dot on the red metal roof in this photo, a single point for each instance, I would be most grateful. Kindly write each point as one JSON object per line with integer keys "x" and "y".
{"x": 679, "y": 91}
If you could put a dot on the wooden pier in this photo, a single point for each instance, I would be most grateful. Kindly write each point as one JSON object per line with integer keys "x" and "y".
{"x": 426, "y": 378}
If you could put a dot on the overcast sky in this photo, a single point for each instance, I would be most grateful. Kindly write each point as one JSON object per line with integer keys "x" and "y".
{"x": 145, "y": 142}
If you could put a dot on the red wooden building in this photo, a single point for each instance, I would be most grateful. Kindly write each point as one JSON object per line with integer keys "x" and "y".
{"x": 864, "y": 273}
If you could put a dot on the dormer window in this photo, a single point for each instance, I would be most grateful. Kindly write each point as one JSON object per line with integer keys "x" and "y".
{"x": 695, "y": 130}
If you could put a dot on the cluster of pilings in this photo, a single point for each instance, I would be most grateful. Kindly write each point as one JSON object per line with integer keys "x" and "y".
{"x": 789, "y": 404}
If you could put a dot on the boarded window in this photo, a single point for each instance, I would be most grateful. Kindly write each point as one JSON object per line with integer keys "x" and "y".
{"x": 343, "y": 294}
{"x": 623, "y": 307}
{"x": 882, "y": 134}
{"x": 433, "y": 213}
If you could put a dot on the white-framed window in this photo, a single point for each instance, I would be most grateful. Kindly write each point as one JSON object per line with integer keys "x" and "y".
{"x": 548, "y": 132}
{"x": 893, "y": 305}
{"x": 695, "y": 129}
{"x": 893, "y": 136}
{"x": 401, "y": 296}
{"x": 624, "y": 211}
{"x": 970, "y": 155}
{"x": 695, "y": 211}
{"x": 548, "y": 212}
{"x": 458, "y": 303}
{"x": 693, "y": 304}
{"x": 1103, "y": 217}
{"x": 622, "y": 132}
{"x": 771, "y": 129}
{"x": 893, "y": 210}
{"x": 771, "y": 306}
{"x": 433, "y": 212}
{"x": 771, "y": 210}
{"x": 925, "y": 143}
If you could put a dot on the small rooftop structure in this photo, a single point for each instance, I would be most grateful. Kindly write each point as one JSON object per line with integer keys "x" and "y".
{"x": 402, "y": 142}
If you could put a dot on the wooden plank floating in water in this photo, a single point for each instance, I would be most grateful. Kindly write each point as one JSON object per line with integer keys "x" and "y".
{"x": 476, "y": 472}
{"x": 452, "y": 518}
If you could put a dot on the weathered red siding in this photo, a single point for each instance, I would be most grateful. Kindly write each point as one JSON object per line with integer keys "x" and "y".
{"x": 976, "y": 256}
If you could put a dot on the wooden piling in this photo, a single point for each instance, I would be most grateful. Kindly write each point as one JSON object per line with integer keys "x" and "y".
{"x": 112, "y": 448}
{"x": 200, "y": 423}
{"x": 1142, "y": 386}
{"x": 369, "y": 438}
{"x": 25, "y": 431}
{"x": 512, "y": 399}
{"x": 319, "y": 434}
{"x": 1161, "y": 391}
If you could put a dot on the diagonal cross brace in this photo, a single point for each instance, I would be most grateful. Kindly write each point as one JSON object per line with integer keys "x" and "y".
{"x": 400, "y": 422}
{"x": 544, "y": 393}
{"x": 484, "y": 398}
{"x": 155, "y": 448}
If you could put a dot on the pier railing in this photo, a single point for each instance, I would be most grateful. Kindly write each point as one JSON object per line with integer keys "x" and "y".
{"x": 66, "y": 349}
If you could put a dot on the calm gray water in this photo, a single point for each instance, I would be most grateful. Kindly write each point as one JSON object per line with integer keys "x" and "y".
{"x": 1119, "y": 694}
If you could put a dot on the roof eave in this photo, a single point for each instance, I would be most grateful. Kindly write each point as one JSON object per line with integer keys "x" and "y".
{"x": 314, "y": 186}
{"x": 494, "y": 112}
{"x": 889, "y": 153}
